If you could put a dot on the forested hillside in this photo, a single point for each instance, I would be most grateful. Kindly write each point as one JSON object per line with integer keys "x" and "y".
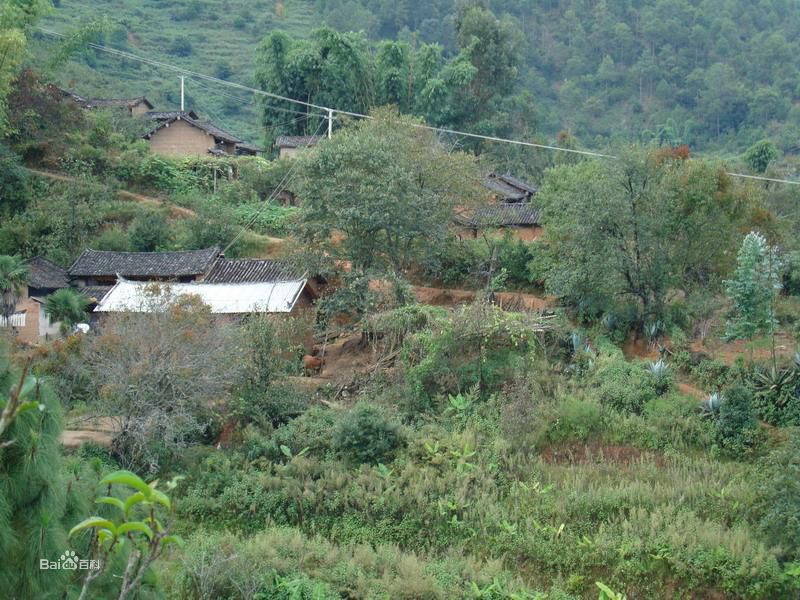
{"x": 400, "y": 361}
{"x": 717, "y": 75}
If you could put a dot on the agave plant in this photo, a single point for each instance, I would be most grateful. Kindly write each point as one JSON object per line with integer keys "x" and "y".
{"x": 609, "y": 321}
{"x": 578, "y": 341}
{"x": 661, "y": 374}
{"x": 777, "y": 386}
{"x": 653, "y": 330}
{"x": 710, "y": 406}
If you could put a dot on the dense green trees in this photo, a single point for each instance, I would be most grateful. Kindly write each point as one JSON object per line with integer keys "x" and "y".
{"x": 388, "y": 186}
{"x": 473, "y": 89}
{"x": 637, "y": 228}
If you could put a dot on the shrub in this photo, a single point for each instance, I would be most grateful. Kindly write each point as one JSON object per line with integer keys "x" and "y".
{"x": 778, "y": 498}
{"x": 366, "y": 435}
{"x": 575, "y": 419}
{"x": 269, "y": 219}
{"x": 113, "y": 238}
{"x": 149, "y": 232}
{"x": 454, "y": 262}
{"x": 624, "y": 386}
{"x": 180, "y": 46}
{"x": 737, "y": 427}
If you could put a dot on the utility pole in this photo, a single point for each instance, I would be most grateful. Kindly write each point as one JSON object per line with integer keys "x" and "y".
{"x": 330, "y": 123}
{"x": 182, "y": 86}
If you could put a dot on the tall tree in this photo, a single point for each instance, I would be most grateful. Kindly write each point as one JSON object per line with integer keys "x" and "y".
{"x": 33, "y": 501}
{"x": 16, "y": 18}
{"x": 388, "y": 186}
{"x": 617, "y": 230}
{"x": 752, "y": 290}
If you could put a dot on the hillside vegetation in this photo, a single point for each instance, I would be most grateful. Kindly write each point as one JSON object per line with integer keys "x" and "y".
{"x": 717, "y": 75}
{"x": 602, "y": 404}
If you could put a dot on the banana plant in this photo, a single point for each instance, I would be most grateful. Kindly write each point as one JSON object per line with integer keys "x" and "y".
{"x": 146, "y": 537}
{"x": 606, "y": 593}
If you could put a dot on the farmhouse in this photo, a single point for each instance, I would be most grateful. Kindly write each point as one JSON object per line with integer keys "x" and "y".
{"x": 521, "y": 219}
{"x": 509, "y": 189}
{"x": 135, "y": 107}
{"x": 120, "y": 281}
{"x": 227, "y": 299}
{"x": 99, "y": 268}
{"x": 182, "y": 133}
{"x": 288, "y": 146}
{"x": 30, "y": 321}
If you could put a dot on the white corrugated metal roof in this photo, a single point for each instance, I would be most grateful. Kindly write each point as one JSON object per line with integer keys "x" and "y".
{"x": 223, "y": 298}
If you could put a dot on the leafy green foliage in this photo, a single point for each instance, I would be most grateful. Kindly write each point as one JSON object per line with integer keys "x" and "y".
{"x": 778, "y": 499}
{"x": 760, "y": 155}
{"x": 623, "y": 385}
{"x": 149, "y": 232}
{"x": 148, "y": 536}
{"x": 651, "y": 237}
{"x": 389, "y": 189}
{"x": 367, "y": 435}
{"x": 68, "y": 307}
{"x": 13, "y": 278}
{"x": 737, "y": 426}
{"x": 753, "y": 287}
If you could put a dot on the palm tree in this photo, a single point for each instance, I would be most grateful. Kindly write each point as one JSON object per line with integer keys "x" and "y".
{"x": 67, "y": 307}
{"x": 13, "y": 277}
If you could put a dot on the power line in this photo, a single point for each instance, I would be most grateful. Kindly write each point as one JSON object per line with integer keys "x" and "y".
{"x": 331, "y": 111}
{"x": 280, "y": 188}
{"x": 764, "y": 178}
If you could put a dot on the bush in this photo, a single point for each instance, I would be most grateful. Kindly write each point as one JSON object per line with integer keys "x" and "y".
{"x": 114, "y": 238}
{"x": 624, "y": 386}
{"x": 737, "y": 427}
{"x": 778, "y": 498}
{"x": 366, "y": 435}
{"x": 455, "y": 262}
{"x": 180, "y": 46}
{"x": 149, "y": 232}
{"x": 575, "y": 420}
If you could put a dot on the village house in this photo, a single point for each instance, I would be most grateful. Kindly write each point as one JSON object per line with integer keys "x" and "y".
{"x": 101, "y": 268}
{"x": 135, "y": 107}
{"x": 505, "y": 188}
{"x": 509, "y": 210}
{"x": 288, "y": 146}
{"x": 182, "y": 133}
{"x": 30, "y": 321}
{"x": 120, "y": 281}
{"x": 520, "y": 219}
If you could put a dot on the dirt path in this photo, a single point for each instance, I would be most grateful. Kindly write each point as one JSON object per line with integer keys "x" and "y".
{"x": 454, "y": 297}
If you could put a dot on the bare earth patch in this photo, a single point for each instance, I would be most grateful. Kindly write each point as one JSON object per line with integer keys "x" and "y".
{"x": 594, "y": 452}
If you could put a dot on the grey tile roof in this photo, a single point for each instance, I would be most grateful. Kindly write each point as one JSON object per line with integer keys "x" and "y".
{"x": 165, "y": 115}
{"x": 508, "y": 187}
{"x": 121, "y": 102}
{"x": 249, "y": 270}
{"x": 44, "y": 274}
{"x": 95, "y": 293}
{"x": 143, "y": 264}
{"x": 519, "y": 214}
{"x": 297, "y": 141}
